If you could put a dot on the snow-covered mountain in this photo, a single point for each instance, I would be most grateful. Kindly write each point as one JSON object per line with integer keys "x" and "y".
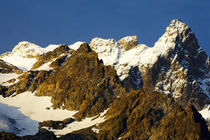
{"x": 176, "y": 62}
{"x": 25, "y": 54}
{"x": 80, "y": 88}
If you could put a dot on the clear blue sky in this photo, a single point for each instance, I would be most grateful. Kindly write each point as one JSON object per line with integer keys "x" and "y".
{"x": 46, "y": 22}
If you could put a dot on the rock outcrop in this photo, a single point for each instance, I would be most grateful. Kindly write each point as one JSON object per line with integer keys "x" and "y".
{"x": 51, "y": 55}
{"x": 8, "y": 68}
{"x": 8, "y": 136}
{"x": 82, "y": 83}
{"x": 56, "y": 124}
{"x": 21, "y": 86}
{"x": 128, "y": 42}
{"x": 140, "y": 115}
{"x": 182, "y": 68}
{"x": 38, "y": 80}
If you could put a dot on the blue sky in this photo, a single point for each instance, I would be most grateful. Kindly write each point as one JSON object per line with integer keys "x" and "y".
{"x": 46, "y": 22}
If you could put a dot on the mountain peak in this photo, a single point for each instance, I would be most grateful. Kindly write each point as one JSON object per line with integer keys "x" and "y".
{"x": 179, "y": 31}
{"x": 25, "y": 49}
{"x": 177, "y": 34}
{"x": 178, "y": 26}
{"x": 28, "y": 49}
{"x": 23, "y": 45}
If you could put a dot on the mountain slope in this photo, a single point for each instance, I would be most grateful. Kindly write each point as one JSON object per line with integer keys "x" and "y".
{"x": 82, "y": 83}
{"x": 140, "y": 115}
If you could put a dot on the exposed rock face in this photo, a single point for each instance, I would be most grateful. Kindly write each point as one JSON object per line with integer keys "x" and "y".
{"x": 171, "y": 126}
{"x": 82, "y": 83}
{"x": 24, "y": 83}
{"x": 3, "y": 90}
{"x": 183, "y": 67}
{"x": 56, "y": 124}
{"x": 43, "y": 134}
{"x": 21, "y": 86}
{"x": 140, "y": 115}
{"x": 180, "y": 68}
{"x": 134, "y": 80}
{"x": 83, "y": 134}
{"x": 58, "y": 62}
{"x": 8, "y": 136}
{"x": 50, "y": 56}
{"x": 175, "y": 66}
{"x": 39, "y": 79}
{"x": 29, "y": 81}
{"x": 7, "y": 68}
{"x": 128, "y": 42}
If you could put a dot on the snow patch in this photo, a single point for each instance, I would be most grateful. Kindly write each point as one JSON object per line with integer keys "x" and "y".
{"x": 12, "y": 120}
{"x": 24, "y": 54}
{"x": 205, "y": 112}
{"x": 107, "y": 49}
{"x": 22, "y": 63}
{"x": 77, "y": 125}
{"x": 26, "y": 48}
{"x": 5, "y": 77}
{"x": 35, "y": 107}
{"x": 45, "y": 66}
{"x": 28, "y": 109}
{"x": 76, "y": 45}
{"x": 95, "y": 130}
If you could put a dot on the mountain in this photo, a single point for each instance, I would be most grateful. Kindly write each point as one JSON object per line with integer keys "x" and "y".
{"x": 175, "y": 66}
{"x": 107, "y": 89}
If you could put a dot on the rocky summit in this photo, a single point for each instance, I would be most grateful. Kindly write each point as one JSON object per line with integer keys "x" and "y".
{"x": 107, "y": 89}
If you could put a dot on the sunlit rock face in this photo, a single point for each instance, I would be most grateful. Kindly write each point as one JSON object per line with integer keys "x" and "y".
{"x": 82, "y": 83}
{"x": 128, "y": 42}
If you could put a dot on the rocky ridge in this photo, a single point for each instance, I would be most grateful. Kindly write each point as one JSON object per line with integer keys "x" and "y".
{"x": 70, "y": 87}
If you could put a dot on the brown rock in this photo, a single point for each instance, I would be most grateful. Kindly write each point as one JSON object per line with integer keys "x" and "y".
{"x": 128, "y": 42}
{"x": 23, "y": 85}
{"x": 82, "y": 83}
{"x": 7, "y": 68}
{"x": 56, "y": 124}
{"x": 140, "y": 115}
{"x": 8, "y": 136}
{"x": 58, "y": 62}
{"x": 49, "y": 56}
{"x": 39, "y": 79}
